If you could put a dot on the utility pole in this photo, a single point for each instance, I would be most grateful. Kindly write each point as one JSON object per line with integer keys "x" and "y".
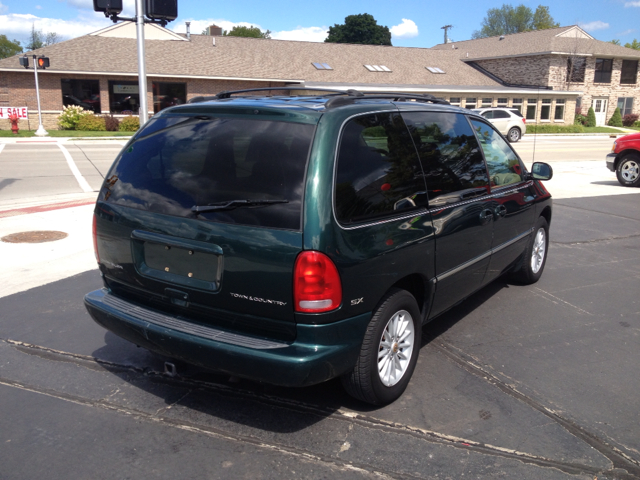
{"x": 142, "y": 69}
{"x": 446, "y": 29}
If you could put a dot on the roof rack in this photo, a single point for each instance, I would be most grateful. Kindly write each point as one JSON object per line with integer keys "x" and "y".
{"x": 338, "y": 97}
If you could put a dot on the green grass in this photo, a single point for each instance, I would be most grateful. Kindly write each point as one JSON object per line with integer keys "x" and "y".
{"x": 65, "y": 133}
{"x": 568, "y": 129}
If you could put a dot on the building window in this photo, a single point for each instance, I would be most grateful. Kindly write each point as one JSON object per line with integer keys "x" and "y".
{"x": 470, "y": 103}
{"x": 83, "y": 93}
{"x": 502, "y": 102}
{"x": 603, "y": 70}
{"x": 559, "y": 113}
{"x": 576, "y": 67}
{"x": 454, "y": 101}
{"x": 545, "y": 109}
{"x": 532, "y": 103}
{"x": 486, "y": 102}
{"x": 625, "y": 104}
{"x": 168, "y": 94}
{"x": 124, "y": 97}
{"x": 517, "y": 104}
{"x": 629, "y": 72}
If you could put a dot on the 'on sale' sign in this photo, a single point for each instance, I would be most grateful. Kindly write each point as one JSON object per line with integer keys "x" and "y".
{"x": 21, "y": 112}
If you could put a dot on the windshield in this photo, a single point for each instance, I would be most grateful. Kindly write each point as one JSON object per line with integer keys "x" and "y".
{"x": 184, "y": 162}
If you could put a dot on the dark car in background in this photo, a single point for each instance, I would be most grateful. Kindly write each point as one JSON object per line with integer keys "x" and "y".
{"x": 624, "y": 160}
{"x": 292, "y": 240}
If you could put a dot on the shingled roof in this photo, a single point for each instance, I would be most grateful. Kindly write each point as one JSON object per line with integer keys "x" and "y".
{"x": 249, "y": 58}
{"x": 563, "y": 40}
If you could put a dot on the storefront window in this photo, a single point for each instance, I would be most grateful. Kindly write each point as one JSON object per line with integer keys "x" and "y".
{"x": 559, "y": 113}
{"x": 168, "y": 94}
{"x": 124, "y": 97}
{"x": 545, "y": 110}
{"x": 83, "y": 93}
{"x": 531, "y": 109}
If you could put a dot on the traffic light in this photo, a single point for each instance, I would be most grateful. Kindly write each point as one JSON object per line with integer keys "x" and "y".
{"x": 112, "y": 7}
{"x": 161, "y": 9}
{"x": 24, "y": 61}
{"x": 43, "y": 62}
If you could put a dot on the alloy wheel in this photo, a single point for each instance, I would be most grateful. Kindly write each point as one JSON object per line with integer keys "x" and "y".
{"x": 396, "y": 346}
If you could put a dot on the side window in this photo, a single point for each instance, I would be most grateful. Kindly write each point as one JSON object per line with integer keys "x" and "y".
{"x": 503, "y": 164}
{"x": 488, "y": 114}
{"x": 501, "y": 114}
{"x": 450, "y": 156}
{"x": 378, "y": 171}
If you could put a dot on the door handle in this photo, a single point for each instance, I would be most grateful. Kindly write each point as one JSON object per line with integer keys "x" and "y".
{"x": 485, "y": 216}
{"x": 500, "y": 211}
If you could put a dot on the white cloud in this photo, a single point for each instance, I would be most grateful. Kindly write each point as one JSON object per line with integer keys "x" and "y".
{"x": 3, "y": 8}
{"x": 16, "y": 25}
{"x": 626, "y": 32}
{"x": 306, "y": 34}
{"x": 38, "y": 7}
{"x": 632, "y": 4}
{"x": 407, "y": 29}
{"x": 591, "y": 26}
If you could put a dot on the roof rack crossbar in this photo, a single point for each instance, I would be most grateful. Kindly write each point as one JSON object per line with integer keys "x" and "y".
{"x": 396, "y": 97}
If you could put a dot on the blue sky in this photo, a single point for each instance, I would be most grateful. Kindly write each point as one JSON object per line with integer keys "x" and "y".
{"x": 413, "y": 23}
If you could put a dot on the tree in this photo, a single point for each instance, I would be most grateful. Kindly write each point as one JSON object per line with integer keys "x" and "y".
{"x": 635, "y": 44}
{"x": 591, "y": 118}
{"x": 542, "y": 19}
{"x": 362, "y": 29}
{"x": 9, "y": 48}
{"x": 616, "y": 119}
{"x": 241, "y": 31}
{"x": 615, "y": 41}
{"x": 39, "y": 39}
{"x": 508, "y": 19}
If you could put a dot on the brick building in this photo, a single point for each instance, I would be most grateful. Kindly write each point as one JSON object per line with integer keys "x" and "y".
{"x": 99, "y": 71}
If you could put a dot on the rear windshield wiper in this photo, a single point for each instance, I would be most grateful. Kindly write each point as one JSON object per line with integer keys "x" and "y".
{"x": 233, "y": 204}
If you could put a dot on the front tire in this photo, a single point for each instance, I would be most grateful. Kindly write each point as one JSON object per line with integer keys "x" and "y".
{"x": 628, "y": 171}
{"x": 535, "y": 256}
{"x": 389, "y": 351}
{"x": 514, "y": 135}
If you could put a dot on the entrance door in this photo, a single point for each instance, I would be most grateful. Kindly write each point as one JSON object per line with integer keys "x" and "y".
{"x": 600, "y": 108}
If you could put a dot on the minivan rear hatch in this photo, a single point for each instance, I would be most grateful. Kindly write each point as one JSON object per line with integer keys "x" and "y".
{"x": 200, "y": 216}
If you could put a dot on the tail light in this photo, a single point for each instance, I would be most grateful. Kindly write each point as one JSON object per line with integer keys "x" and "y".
{"x": 316, "y": 283}
{"x": 524, "y": 120}
{"x": 95, "y": 239}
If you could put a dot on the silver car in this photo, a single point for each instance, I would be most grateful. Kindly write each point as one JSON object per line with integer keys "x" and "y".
{"x": 509, "y": 121}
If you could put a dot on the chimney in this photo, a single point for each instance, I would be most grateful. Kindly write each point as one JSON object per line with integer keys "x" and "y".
{"x": 188, "y": 24}
{"x": 214, "y": 30}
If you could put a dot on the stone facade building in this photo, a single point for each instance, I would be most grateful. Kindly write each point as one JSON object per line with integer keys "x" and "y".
{"x": 604, "y": 75}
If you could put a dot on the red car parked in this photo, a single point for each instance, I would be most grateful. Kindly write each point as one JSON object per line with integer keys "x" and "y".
{"x": 624, "y": 159}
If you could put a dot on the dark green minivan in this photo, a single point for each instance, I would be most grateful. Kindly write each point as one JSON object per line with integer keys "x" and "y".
{"x": 294, "y": 239}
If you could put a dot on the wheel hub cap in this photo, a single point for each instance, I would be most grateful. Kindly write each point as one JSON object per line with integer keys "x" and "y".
{"x": 396, "y": 347}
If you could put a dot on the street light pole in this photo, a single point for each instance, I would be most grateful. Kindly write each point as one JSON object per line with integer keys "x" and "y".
{"x": 41, "y": 132}
{"x": 142, "y": 70}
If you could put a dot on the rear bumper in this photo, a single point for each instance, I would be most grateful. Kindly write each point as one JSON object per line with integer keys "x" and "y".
{"x": 611, "y": 160}
{"x": 319, "y": 353}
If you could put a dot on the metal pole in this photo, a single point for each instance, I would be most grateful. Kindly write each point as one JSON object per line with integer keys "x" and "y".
{"x": 41, "y": 132}
{"x": 142, "y": 71}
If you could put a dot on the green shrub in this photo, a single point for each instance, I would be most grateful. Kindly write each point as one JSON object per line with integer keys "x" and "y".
{"x": 555, "y": 129}
{"x": 129, "y": 124}
{"x": 616, "y": 119}
{"x": 91, "y": 123}
{"x": 636, "y": 124}
{"x": 591, "y": 118}
{"x": 580, "y": 119}
{"x": 111, "y": 123}
{"x": 70, "y": 117}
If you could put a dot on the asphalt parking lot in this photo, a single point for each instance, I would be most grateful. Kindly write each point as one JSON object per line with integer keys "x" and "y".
{"x": 535, "y": 382}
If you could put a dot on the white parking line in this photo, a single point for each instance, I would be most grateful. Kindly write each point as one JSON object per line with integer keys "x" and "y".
{"x": 84, "y": 185}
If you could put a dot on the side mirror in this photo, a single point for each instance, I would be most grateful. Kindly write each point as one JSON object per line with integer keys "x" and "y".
{"x": 541, "y": 171}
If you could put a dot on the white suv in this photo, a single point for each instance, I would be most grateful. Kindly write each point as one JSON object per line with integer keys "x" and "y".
{"x": 509, "y": 121}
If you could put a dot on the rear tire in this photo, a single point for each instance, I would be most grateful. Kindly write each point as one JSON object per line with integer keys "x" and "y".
{"x": 535, "y": 256}
{"x": 389, "y": 352}
{"x": 514, "y": 135}
{"x": 628, "y": 171}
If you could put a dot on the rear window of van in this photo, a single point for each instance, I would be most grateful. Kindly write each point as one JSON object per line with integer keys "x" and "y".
{"x": 176, "y": 164}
